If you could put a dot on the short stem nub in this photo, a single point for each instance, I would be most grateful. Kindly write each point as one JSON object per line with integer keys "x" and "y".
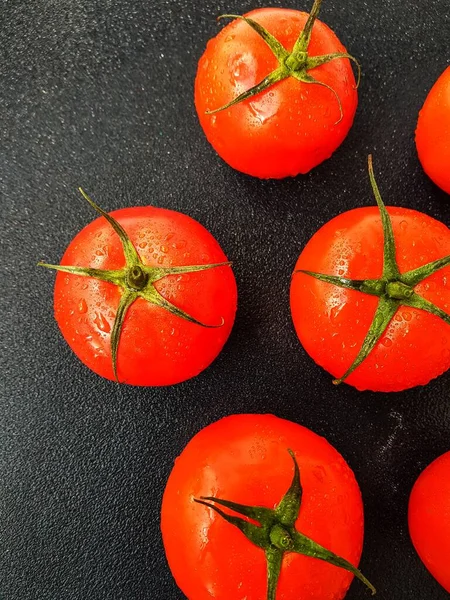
{"x": 296, "y": 62}
{"x": 398, "y": 290}
{"x": 280, "y": 538}
{"x": 136, "y": 278}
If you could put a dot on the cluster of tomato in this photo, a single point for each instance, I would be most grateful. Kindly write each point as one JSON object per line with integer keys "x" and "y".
{"x": 146, "y": 296}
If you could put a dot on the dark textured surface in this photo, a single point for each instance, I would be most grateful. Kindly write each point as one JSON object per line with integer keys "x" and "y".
{"x": 99, "y": 94}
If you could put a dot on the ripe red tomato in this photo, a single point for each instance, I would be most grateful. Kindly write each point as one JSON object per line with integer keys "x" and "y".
{"x": 290, "y": 126}
{"x": 429, "y": 518}
{"x": 245, "y": 459}
{"x": 332, "y": 320}
{"x": 158, "y": 344}
{"x": 433, "y": 133}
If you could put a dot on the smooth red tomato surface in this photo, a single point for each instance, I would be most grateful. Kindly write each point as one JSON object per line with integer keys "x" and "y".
{"x": 292, "y": 126}
{"x": 244, "y": 458}
{"x": 156, "y": 347}
{"x": 429, "y": 518}
{"x": 433, "y": 132}
{"x": 332, "y": 322}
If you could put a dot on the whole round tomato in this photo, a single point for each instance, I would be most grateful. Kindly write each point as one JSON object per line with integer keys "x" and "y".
{"x": 433, "y": 132}
{"x": 132, "y": 289}
{"x": 387, "y": 315}
{"x": 291, "y": 124}
{"x": 429, "y": 518}
{"x": 245, "y": 459}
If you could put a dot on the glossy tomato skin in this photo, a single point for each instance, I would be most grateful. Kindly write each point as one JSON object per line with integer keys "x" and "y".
{"x": 332, "y": 322}
{"x": 156, "y": 348}
{"x": 289, "y": 128}
{"x": 429, "y": 518}
{"x": 245, "y": 458}
{"x": 433, "y": 132}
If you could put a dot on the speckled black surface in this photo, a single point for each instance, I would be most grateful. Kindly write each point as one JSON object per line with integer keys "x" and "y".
{"x": 99, "y": 94}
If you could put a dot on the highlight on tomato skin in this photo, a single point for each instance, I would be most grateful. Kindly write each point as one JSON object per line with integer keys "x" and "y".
{"x": 433, "y": 132}
{"x": 429, "y": 518}
{"x": 275, "y": 92}
{"x": 370, "y": 297}
{"x": 145, "y": 296}
{"x": 249, "y": 502}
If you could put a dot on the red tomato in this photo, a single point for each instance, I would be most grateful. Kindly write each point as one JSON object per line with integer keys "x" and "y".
{"x": 245, "y": 459}
{"x": 332, "y": 322}
{"x": 156, "y": 347}
{"x": 433, "y": 133}
{"x": 291, "y": 126}
{"x": 429, "y": 518}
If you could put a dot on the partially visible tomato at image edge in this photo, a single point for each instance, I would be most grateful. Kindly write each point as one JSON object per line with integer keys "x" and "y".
{"x": 429, "y": 518}
{"x": 433, "y": 133}
{"x": 156, "y": 346}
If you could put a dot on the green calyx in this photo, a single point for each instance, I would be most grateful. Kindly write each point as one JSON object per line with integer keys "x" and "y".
{"x": 275, "y": 532}
{"x": 296, "y": 63}
{"x": 135, "y": 280}
{"x": 394, "y": 289}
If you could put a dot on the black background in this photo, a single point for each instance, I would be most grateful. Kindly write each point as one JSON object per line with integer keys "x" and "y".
{"x": 100, "y": 94}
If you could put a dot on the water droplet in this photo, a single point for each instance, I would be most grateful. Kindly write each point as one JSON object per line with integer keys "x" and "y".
{"x": 82, "y": 306}
{"x": 99, "y": 252}
{"x": 386, "y": 342}
{"x": 84, "y": 286}
{"x": 168, "y": 237}
{"x": 229, "y": 38}
{"x": 142, "y": 244}
{"x": 178, "y": 245}
{"x": 403, "y": 225}
{"x": 319, "y": 473}
{"x": 407, "y": 315}
{"x": 102, "y": 323}
{"x": 398, "y": 317}
{"x": 161, "y": 260}
{"x": 334, "y": 312}
{"x": 164, "y": 249}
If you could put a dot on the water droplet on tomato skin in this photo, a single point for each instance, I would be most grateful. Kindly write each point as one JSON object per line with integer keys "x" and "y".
{"x": 407, "y": 315}
{"x": 387, "y": 342}
{"x": 403, "y": 225}
{"x": 334, "y": 312}
{"x": 319, "y": 473}
{"x": 82, "y": 306}
{"x": 102, "y": 323}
